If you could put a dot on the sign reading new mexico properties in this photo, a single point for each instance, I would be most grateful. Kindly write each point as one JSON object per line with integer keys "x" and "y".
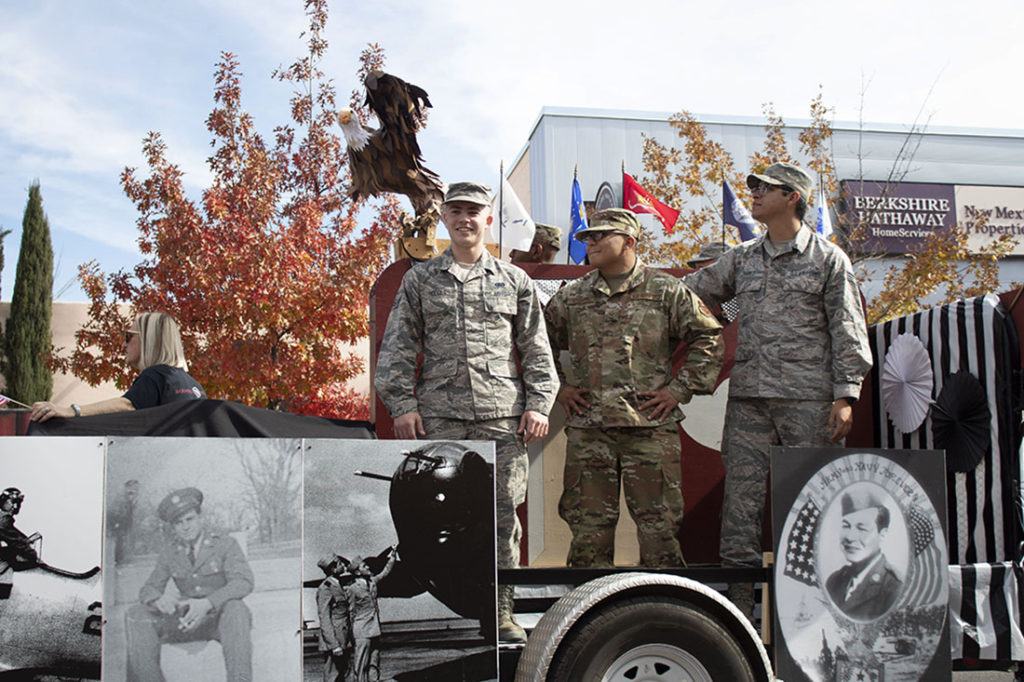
{"x": 990, "y": 212}
{"x": 898, "y": 217}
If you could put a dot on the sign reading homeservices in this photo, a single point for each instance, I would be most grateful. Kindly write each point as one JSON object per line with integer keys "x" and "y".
{"x": 898, "y": 217}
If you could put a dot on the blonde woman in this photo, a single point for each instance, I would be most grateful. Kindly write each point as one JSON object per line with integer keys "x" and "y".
{"x": 153, "y": 344}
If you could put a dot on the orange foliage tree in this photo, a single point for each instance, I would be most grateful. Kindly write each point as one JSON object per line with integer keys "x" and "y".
{"x": 269, "y": 271}
{"x": 692, "y": 177}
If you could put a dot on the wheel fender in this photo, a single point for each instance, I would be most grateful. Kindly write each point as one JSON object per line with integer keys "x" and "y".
{"x": 547, "y": 636}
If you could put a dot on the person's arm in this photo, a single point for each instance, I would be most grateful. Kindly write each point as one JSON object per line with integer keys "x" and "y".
{"x": 44, "y": 410}
{"x": 556, "y": 317}
{"x": 156, "y": 584}
{"x": 395, "y": 376}
{"x": 716, "y": 283}
{"x": 534, "y": 349}
{"x": 851, "y": 353}
{"x": 691, "y": 322}
{"x": 323, "y": 610}
{"x": 237, "y": 573}
{"x": 388, "y": 566}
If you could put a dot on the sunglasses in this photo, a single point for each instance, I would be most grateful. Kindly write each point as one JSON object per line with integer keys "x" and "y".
{"x": 764, "y": 188}
{"x": 595, "y": 237}
{"x": 128, "y": 334}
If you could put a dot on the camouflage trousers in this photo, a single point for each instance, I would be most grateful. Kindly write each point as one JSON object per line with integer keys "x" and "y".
{"x": 646, "y": 460}
{"x": 752, "y": 427}
{"x": 510, "y": 470}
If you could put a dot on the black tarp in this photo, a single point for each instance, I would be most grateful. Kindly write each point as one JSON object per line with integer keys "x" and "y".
{"x": 204, "y": 418}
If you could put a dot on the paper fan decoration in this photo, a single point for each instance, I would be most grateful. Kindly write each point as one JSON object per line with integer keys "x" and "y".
{"x": 907, "y": 382}
{"x": 961, "y": 422}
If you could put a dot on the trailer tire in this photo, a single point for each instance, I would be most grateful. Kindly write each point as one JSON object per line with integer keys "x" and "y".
{"x": 649, "y": 638}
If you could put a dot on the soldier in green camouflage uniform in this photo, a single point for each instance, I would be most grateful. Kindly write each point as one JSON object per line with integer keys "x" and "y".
{"x": 621, "y": 324}
{"x": 801, "y": 355}
{"x": 469, "y": 314}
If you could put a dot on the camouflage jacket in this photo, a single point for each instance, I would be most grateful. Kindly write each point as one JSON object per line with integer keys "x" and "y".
{"x": 622, "y": 343}
{"x": 802, "y": 333}
{"x": 220, "y": 572}
{"x": 467, "y": 332}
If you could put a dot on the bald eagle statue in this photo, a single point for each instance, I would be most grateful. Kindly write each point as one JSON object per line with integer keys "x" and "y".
{"x": 388, "y": 159}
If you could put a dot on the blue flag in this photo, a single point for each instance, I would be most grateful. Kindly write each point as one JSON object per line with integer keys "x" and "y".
{"x": 577, "y": 251}
{"x": 736, "y": 214}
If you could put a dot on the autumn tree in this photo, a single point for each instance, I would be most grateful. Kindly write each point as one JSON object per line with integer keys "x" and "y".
{"x": 27, "y": 338}
{"x": 269, "y": 271}
{"x": 692, "y": 177}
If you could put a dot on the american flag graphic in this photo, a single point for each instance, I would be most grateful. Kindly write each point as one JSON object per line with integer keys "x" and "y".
{"x": 800, "y": 549}
{"x": 924, "y": 580}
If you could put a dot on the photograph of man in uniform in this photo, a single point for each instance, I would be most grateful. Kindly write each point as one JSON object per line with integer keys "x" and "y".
{"x": 333, "y": 607}
{"x": 211, "y": 590}
{"x": 210, "y": 576}
{"x": 868, "y": 585}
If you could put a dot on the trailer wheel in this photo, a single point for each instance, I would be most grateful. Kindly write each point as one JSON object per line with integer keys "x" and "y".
{"x": 647, "y": 638}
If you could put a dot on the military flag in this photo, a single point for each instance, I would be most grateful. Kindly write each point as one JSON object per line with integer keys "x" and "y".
{"x": 638, "y": 200}
{"x": 736, "y": 214}
{"x": 515, "y": 226}
{"x": 824, "y": 225}
{"x": 578, "y": 220}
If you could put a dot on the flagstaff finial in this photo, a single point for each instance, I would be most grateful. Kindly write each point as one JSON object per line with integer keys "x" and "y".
{"x": 623, "y": 166}
{"x": 574, "y": 170}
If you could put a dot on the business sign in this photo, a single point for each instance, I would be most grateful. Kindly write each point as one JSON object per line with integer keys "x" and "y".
{"x": 990, "y": 212}
{"x": 898, "y": 217}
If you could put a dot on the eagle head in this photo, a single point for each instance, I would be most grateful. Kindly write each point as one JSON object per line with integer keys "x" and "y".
{"x": 356, "y": 136}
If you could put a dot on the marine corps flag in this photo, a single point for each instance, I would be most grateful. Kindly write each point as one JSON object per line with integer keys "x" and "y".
{"x": 736, "y": 214}
{"x": 638, "y": 200}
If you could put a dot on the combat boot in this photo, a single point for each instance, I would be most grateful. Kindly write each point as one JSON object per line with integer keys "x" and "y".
{"x": 508, "y": 629}
{"x": 742, "y": 596}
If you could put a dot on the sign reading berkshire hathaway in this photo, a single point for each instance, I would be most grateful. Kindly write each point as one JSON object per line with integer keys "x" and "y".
{"x": 898, "y": 217}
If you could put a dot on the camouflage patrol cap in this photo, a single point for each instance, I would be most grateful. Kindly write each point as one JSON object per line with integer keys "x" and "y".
{"x": 549, "y": 235}
{"x": 472, "y": 192}
{"x": 612, "y": 220}
{"x": 784, "y": 173}
{"x": 177, "y": 503}
{"x": 709, "y": 251}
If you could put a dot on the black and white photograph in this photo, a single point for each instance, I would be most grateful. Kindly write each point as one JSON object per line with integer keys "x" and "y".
{"x": 861, "y": 575}
{"x": 398, "y": 561}
{"x": 202, "y": 560}
{"x": 51, "y": 506}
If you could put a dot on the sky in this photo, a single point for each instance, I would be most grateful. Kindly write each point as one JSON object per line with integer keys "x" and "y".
{"x": 82, "y": 83}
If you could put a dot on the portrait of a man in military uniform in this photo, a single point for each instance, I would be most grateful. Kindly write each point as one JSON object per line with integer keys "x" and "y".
{"x": 208, "y": 591}
{"x": 194, "y": 593}
{"x": 868, "y": 585}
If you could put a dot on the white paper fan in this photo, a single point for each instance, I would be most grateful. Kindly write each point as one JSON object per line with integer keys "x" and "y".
{"x": 907, "y": 382}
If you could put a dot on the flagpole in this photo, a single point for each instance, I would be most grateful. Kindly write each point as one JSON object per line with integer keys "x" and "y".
{"x": 12, "y": 400}
{"x": 723, "y": 212}
{"x": 501, "y": 205}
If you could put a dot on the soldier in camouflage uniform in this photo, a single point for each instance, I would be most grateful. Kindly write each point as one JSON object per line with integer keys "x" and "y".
{"x": 469, "y": 314}
{"x": 800, "y": 359}
{"x": 621, "y": 324}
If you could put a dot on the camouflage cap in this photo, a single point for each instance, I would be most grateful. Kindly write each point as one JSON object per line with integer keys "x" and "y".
{"x": 177, "y": 503}
{"x": 709, "y": 251}
{"x": 784, "y": 174}
{"x": 612, "y": 220}
{"x": 473, "y": 192}
{"x": 549, "y": 235}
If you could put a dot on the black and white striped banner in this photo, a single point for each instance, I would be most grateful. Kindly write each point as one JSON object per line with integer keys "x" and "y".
{"x": 976, "y": 336}
{"x": 985, "y": 612}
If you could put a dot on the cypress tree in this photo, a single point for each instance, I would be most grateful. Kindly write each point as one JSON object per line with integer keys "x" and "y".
{"x": 27, "y": 339}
